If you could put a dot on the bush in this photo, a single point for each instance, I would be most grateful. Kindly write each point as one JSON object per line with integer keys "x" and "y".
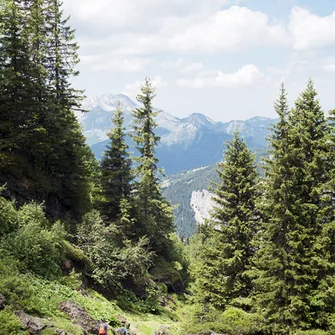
{"x": 198, "y": 319}
{"x": 8, "y": 217}
{"x": 112, "y": 265}
{"x": 10, "y": 323}
{"x": 311, "y": 332}
{"x": 240, "y": 321}
{"x": 39, "y": 250}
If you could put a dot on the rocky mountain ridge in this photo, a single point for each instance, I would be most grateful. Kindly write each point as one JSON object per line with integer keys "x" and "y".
{"x": 186, "y": 143}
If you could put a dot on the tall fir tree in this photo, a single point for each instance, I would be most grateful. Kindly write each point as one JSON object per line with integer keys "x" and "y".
{"x": 19, "y": 109}
{"x": 225, "y": 259}
{"x": 43, "y": 151}
{"x": 116, "y": 171}
{"x": 71, "y": 160}
{"x": 154, "y": 212}
{"x": 290, "y": 259}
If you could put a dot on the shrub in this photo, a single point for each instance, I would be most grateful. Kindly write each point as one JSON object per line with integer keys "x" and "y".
{"x": 240, "y": 321}
{"x": 10, "y": 323}
{"x": 112, "y": 265}
{"x": 311, "y": 332}
{"x": 39, "y": 250}
{"x": 8, "y": 217}
{"x": 198, "y": 319}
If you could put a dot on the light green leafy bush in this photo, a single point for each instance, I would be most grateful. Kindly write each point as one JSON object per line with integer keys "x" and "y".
{"x": 240, "y": 321}
{"x": 8, "y": 217}
{"x": 38, "y": 248}
{"x": 10, "y": 323}
{"x": 311, "y": 332}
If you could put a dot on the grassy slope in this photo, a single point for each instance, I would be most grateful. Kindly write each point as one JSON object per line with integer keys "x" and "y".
{"x": 40, "y": 297}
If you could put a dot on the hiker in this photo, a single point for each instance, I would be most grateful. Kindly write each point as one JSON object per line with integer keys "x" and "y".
{"x": 123, "y": 329}
{"x": 103, "y": 327}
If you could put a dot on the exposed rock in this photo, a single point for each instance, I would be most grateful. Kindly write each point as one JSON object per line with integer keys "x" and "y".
{"x": 33, "y": 324}
{"x": 78, "y": 315}
{"x": 201, "y": 204}
{"x": 3, "y": 302}
{"x": 163, "y": 330}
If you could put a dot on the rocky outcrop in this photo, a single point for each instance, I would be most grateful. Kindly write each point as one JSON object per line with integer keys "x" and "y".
{"x": 201, "y": 203}
{"x": 163, "y": 330}
{"x": 33, "y": 324}
{"x": 78, "y": 315}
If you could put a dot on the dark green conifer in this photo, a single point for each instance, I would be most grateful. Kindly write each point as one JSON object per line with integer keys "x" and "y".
{"x": 43, "y": 150}
{"x": 221, "y": 275}
{"x": 19, "y": 110}
{"x": 290, "y": 261}
{"x": 116, "y": 173}
{"x": 154, "y": 212}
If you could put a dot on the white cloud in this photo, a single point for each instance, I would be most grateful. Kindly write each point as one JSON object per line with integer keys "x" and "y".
{"x": 183, "y": 66}
{"x": 247, "y": 75}
{"x": 224, "y": 30}
{"x": 129, "y": 27}
{"x": 329, "y": 65}
{"x": 330, "y": 68}
{"x": 231, "y": 29}
{"x": 121, "y": 65}
{"x": 133, "y": 89}
{"x": 137, "y": 15}
{"x": 193, "y": 67}
{"x": 173, "y": 65}
{"x": 311, "y": 31}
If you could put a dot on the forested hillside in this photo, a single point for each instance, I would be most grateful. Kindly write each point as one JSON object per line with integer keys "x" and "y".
{"x": 84, "y": 242}
{"x": 68, "y": 223}
{"x": 189, "y": 191}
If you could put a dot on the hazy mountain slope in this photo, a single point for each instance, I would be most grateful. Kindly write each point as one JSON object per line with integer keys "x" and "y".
{"x": 186, "y": 143}
{"x": 190, "y": 192}
{"x": 179, "y": 188}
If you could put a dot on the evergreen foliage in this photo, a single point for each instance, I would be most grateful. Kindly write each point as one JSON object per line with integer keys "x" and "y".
{"x": 264, "y": 263}
{"x": 114, "y": 260}
{"x": 37, "y": 248}
{"x": 291, "y": 262}
{"x": 116, "y": 173}
{"x": 221, "y": 272}
{"x": 155, "y": 219}
{"x": 43, "y": 157}
{"x": 43, "y": 152}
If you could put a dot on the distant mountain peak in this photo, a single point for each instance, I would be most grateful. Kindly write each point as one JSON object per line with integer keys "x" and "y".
{"x": 108, "y": 102}
{"x": 198, "y": 119}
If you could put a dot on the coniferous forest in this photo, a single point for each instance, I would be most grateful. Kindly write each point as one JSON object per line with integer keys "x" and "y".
{"x": 99, "y": 236}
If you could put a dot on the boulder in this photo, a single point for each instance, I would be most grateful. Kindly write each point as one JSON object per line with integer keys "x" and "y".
{"x": 33, "y": 324}
{"x": 163, "y": 330}
{"x": 3, "y": 302}
{"x": 78, "y": 315}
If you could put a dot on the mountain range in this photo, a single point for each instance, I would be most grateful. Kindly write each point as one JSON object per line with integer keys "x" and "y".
{"x": 186, "y": 143}
{"x": 188, "y": 151}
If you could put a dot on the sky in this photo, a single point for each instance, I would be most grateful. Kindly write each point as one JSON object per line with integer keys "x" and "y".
{"x": 223, "y": 58}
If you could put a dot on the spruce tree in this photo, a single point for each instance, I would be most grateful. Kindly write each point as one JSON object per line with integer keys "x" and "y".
{"x": 71, "y": 159}
{"x": 116, "y": 173}
{"x": 290, "y": 260}
{"x": 154, "y": 212}
{"x": 41, "y": 140}
{"x": 18, "y": 85}
{"x": 221, "y": 275}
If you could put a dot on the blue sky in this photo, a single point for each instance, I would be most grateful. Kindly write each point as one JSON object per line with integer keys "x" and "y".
{"x": 222, "y": 58}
